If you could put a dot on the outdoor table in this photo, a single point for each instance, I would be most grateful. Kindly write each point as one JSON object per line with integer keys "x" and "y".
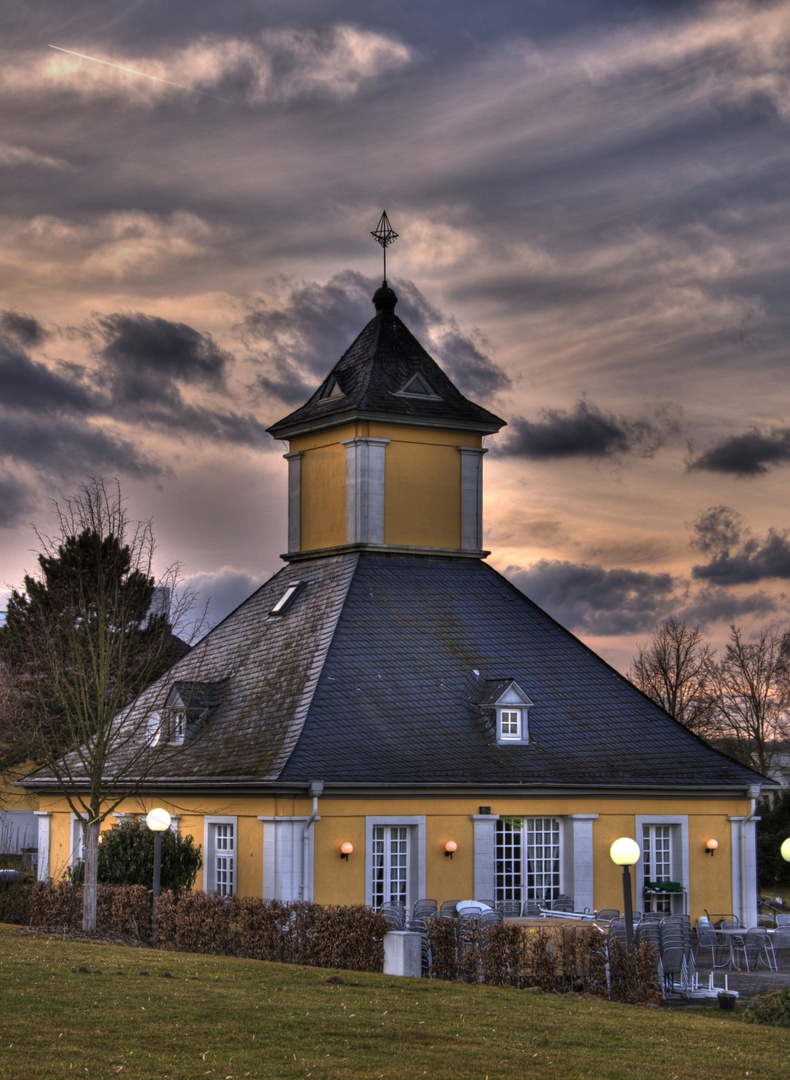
{"x": 735, "y": 931}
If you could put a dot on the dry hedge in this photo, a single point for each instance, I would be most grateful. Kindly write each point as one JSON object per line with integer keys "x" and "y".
{"x": 573, "y": 958}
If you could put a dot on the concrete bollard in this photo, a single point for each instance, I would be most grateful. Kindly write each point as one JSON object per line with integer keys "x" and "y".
{"x": 403, "y": 953}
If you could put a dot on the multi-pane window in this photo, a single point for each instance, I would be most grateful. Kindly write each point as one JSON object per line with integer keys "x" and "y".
{"x": 224, "y": 859}
{"x": 509, "y": 847}
{"x": 657, "y": 860}
{"x": 510, "y": 724}
{"x": 390, "y": 865}
{"x": 528, "y": 859}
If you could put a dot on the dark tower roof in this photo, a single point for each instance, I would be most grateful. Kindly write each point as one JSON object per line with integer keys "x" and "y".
{"x": 375, "y": 379}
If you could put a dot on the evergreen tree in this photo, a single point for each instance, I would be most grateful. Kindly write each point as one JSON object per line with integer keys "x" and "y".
{"x": 79, "y": 646}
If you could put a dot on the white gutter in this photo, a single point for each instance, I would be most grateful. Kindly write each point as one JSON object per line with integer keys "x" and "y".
{"x": 315, "y": 789}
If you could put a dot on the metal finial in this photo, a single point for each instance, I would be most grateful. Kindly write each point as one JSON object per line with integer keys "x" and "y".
{"x": 385, "y": 235}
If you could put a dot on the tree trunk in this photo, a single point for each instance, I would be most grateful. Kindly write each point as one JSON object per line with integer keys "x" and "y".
{"x": 91, "y": 863}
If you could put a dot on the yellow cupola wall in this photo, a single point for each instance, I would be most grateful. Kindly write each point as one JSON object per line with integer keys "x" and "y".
{"x": 387, "y": 453}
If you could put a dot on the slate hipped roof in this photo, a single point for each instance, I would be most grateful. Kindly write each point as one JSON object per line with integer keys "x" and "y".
{"x": 369, "y": 379}
{"x": 370, "y": 679}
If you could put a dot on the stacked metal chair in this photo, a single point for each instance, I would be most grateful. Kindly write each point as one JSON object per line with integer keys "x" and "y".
{"x": 677, "y": 954}
{"x": 511, "y": 909}
{"x": 424, "y": 908}
{"x": 531, "y": 909}
{"x": 395, "y": 914}
{"x": 563, "y": 903}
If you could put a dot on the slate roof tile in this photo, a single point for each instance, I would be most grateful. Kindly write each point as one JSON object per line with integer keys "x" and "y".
{"x": 365, "y": 680}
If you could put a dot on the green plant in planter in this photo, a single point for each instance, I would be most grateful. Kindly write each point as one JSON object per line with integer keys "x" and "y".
{"x": 126, "y": 857}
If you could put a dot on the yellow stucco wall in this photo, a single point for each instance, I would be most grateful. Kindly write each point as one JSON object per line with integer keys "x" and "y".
{"x": 344, "y": 819}
{"x": 422, "y": 493}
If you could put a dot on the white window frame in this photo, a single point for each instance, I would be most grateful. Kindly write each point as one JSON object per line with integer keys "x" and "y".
{"x": 679, "y": 852}
{"x": 415, "y": 823}
{"x": 77, "y": 841}
{"x": 210, "y": 867}
{"x": 522, "y": 853}
{"x": 509, "y": 723}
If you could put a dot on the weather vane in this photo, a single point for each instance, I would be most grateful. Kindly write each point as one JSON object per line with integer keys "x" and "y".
{"x": 384, "y": 234}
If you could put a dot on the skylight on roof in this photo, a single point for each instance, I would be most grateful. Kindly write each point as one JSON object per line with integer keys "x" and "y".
{"x": 286, "y": 599}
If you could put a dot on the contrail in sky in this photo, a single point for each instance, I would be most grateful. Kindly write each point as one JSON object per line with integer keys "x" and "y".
{"x": 134, "y": 71}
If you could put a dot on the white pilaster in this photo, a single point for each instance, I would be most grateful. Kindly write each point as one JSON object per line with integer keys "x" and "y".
{"x": 484, "y": 832}
{"x": 582, "y": 883}
{"x": 471, "y": 497}
{"x": 44, "y": 825}
{"x": 294, "y": 500}
{"x": 365, "y": 490}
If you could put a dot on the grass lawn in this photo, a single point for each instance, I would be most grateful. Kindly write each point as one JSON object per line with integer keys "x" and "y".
{"x": 70, "y": 1008}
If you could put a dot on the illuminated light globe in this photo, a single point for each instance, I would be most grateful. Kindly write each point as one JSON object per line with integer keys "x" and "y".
{"x": 625, "y": 852}
{"x": 158, "y": 820}
{"x": 784, "y": 850}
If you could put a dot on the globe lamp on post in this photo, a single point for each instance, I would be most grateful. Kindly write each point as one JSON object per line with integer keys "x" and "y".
{"x": 784, "y": 850}
{"x": 158, "y": 821}
{"x": 625, "y": 852}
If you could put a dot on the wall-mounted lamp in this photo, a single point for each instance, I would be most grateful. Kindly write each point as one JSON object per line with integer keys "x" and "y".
{"x": 449, "y": 848}
{"x": 345, "y": 850}
{"x": 711, "y": 846}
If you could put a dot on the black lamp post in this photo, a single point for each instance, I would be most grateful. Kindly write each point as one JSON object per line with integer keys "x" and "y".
{"x": 625, "y": 852}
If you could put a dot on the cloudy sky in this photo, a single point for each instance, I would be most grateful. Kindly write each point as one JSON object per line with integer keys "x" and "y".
{"x": 594, "y": 216}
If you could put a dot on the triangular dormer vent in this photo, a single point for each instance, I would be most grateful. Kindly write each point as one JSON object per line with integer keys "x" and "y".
{"x": 331, "y": 390}
{"x": 418, "y": 386}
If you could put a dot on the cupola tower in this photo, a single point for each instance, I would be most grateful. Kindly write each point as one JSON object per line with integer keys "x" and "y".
{"x": 387, "y": 453}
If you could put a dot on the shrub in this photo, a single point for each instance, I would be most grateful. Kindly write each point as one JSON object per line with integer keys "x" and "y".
{"x": 126, "y": 857}
{"x": 773, "y": 1008}
{"x": 15, "y": 901}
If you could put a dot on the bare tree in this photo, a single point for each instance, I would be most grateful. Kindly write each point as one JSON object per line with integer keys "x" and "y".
{"x": 676, "y": 670}
{"x": 81, "y": 643}
{"x": 751, "y": 697}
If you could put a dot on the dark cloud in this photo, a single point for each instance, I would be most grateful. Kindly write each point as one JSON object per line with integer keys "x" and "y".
{"x": 26, "y": 384}
{"x": 737, "y": 557}
{"x": 25, "y": 330}
{"x": 65, "y": 447}
{"x": 590, "y": 599}
{"x": 302, "y": 340}
{"x": 589, "y": 432}
{"x": 144, "y": 353}
{"x": 219, "y": 593}
{"x": 749, "y": 454}
{"x": 16, "y": 501}
{"x": 713, "y": 604}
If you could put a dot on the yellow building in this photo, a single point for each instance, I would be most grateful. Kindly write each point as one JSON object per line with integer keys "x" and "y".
{"x": 388, "y": 691}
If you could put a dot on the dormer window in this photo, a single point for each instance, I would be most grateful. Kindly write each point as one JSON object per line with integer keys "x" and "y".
{"x": 504, "y": 710}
